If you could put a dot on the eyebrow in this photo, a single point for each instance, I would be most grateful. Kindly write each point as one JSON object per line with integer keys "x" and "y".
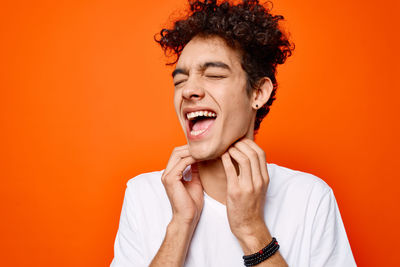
{"x": 203, "y": 67}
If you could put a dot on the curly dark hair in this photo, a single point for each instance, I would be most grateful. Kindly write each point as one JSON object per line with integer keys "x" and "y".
{"x": 248, "y": 26}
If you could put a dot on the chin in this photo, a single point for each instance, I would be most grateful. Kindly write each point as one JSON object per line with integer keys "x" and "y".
{"x": 203, "y": 152}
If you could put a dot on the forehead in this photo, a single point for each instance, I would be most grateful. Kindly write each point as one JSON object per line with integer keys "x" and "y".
{"x": 204, "y": 49}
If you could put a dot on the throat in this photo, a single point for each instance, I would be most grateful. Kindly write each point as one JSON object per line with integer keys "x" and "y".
{"x": 213, "y": 179}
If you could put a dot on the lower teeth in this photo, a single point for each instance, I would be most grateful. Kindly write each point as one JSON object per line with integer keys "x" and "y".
{"x": 197, "y": 132}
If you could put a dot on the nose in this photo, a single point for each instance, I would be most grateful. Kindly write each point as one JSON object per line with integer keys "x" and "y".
{"x": 193, "y": 89}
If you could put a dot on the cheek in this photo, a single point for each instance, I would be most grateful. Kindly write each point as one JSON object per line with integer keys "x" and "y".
{"x": 238, "y": 117}
{"x": 176, "y": 103}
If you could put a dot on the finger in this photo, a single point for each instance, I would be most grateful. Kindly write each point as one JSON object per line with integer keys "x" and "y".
{"x": 181, "y": 147}
{"x": 177, "y": 154}
{"x": 254, "y": 163}
{"x": 261, "y": 158}
{"x": 230, "y": 172}
{"x": 195, "y": 173}
{"x": 176, "y": 172}
{"x": 244, "y": 166}
{"x": 195, "y": 178}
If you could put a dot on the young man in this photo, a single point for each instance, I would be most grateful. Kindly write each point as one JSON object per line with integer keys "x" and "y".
{"x": 217, "y": 199}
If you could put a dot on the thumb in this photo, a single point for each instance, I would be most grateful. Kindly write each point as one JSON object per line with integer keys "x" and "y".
{"x": 195, "y": 180}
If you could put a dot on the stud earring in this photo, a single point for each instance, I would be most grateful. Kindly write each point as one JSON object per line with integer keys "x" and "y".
{"x": 256, "y": 106}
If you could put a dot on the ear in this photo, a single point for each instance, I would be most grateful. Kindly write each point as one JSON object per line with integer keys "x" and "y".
{"x": 262, "y": 93}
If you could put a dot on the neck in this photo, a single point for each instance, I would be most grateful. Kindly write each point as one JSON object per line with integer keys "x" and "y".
{"x": 212, "y": 174}
{"x": 213, "y": 179}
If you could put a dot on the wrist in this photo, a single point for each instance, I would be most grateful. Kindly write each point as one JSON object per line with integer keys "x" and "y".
{"x": 253, "y": 240}
{"x": 182, "y": 224}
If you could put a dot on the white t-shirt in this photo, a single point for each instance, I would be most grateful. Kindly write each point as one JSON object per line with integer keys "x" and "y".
{"x": 300, "y": 211}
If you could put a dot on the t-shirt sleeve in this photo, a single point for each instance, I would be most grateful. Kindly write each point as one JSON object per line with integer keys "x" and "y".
{"x": 329, "y": 243}
{"x": 127, "y": 246}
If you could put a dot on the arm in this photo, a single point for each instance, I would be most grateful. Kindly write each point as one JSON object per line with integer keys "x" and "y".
{"x": 174, "y": 248}
{"x": 329, "y": 244}
{"x": 256, "y": 241}
{"x": 247, "y": 184}
{"x": 127, "y": 249}
{"x": 186, "y": 198}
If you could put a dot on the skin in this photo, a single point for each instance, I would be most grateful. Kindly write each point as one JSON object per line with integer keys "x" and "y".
{"x": 227, "y": 164}
{"x": 221, "y": 89}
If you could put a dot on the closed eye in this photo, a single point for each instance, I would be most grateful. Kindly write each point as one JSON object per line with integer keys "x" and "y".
{"x": 178, "y": 83}
{"x": 216, "y": 76}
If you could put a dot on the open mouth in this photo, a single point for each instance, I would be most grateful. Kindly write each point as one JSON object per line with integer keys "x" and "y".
{"x": 200, "y": 121}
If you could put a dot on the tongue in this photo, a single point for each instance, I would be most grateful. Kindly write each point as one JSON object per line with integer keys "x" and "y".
{"x": 202, "y": 124}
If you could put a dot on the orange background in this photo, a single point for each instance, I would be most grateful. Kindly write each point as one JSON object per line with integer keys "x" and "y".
{"x": 86, "y": 104}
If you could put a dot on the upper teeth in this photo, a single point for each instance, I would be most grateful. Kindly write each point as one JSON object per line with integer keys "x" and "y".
{"x": 202, "y": 113}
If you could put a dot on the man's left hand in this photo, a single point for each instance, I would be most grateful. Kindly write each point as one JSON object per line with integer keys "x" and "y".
{"x": 247, "y": 185}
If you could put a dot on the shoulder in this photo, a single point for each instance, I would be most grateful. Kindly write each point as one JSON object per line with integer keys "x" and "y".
{"x": 148, "y": 178}
{"x": 145, "y": 184}
{"x": 297, "y": 196}
{"x": 297, "y": 183}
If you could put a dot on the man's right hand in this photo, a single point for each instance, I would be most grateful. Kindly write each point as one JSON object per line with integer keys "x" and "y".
{"x": 186, "y": 197}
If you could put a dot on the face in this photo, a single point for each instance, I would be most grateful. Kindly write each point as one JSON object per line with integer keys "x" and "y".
{"x": 210, "y": 97}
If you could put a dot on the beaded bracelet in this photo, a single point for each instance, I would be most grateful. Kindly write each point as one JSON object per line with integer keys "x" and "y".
{"x": 262, "y": 255}
{"x": 261, "y": 258}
